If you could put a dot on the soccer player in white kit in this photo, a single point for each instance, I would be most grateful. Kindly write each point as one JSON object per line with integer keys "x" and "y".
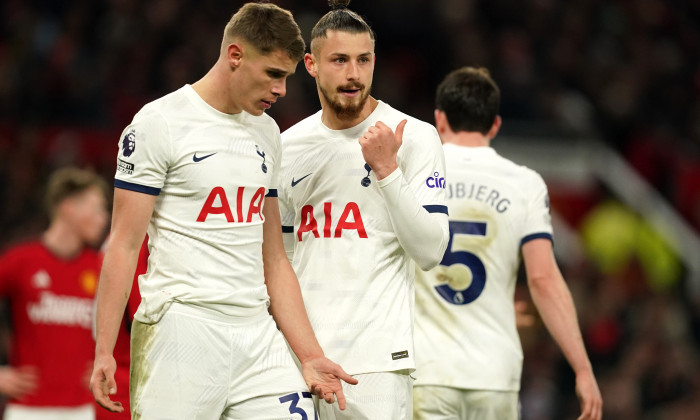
{"x": 468, "y": 353}
{"x": 198, "y": 169}
{"x": 359, "y": 202}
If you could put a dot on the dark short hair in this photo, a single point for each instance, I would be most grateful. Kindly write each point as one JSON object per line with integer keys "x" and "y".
{"x": 340, "y": 18}
{"x": 470, "y": 99}
{"x": 67, "y": 182}
{"x": 267, "y": 27}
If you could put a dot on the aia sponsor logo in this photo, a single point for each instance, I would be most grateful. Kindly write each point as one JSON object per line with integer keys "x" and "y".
{"x": 350, "y": 219}
{"x": 245, "y": 210}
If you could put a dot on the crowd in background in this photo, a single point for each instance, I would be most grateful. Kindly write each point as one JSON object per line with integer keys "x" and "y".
{"x": 73, "y": 73}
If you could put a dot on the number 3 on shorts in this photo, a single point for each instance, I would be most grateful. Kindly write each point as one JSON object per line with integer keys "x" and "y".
{"x": 468, "y": 295}
{"x": 294, "y": 400}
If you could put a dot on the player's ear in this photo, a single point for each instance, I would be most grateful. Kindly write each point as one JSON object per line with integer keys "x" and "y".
{"x": 234, "y": 53}
{"x": 495, "y": 127}
{"x": 310, "y": 64}
{"x": 440, "y": 121}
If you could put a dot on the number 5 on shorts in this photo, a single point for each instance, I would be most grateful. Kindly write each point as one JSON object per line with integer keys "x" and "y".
{"x": 293, "y": 408}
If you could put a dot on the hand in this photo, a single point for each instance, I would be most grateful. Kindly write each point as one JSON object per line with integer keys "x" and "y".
{"x": 102, "y": 383}
{"x": 18, "y": 382}
{"x": 589, "y": 397}
{"x": 380, "y": 146}
{"x": 322, "y": 376}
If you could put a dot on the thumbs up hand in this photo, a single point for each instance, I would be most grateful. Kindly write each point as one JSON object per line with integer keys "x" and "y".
{"x": 379, "y": 147}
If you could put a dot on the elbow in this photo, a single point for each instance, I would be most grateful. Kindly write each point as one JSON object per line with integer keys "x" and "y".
{"x": 429, "y": 260}
{"x": 540, "y": 283}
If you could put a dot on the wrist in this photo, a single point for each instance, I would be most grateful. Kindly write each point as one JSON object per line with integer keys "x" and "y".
{"x": 308, "y": 357}
{"x": 102, "y": 351}
{"x": 383, "y": 171}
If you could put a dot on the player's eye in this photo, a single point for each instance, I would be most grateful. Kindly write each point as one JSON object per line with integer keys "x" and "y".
{"x": 275, "y": 74}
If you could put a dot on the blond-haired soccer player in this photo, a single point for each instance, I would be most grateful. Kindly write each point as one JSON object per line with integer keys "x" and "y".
{"x": 199, "y": 169}
{"x": 468, "y": 353}
{"x": 50, "y": 284}
{"x": 362, "y": 196}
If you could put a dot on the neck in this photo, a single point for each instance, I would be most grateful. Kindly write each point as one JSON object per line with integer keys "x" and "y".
{"x": 467, "y": 139}
{"x": 214, "y": 88}
{"x": 62, "y": 240}
{"x": 331, "y": 119}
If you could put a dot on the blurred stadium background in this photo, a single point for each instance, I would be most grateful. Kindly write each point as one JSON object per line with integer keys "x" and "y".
{"x": 600, "y": 96}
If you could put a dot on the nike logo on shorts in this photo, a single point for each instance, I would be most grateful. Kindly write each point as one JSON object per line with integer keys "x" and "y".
{"x": 197, "y": 159}
{"x": 299, "y": 180}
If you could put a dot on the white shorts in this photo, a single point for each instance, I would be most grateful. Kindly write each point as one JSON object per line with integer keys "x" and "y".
{"x": 196, "y": 363}
{"x": 377, "y": 396}
{"x": 23, "y": 412}
{"x": 445, "y": 403}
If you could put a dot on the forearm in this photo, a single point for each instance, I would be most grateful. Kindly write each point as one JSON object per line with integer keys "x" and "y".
{"x": 112, "y": 294}
{"x": 286, "y": 304}
{"x": 287, "y": 308}
{"x": 556, "y": 307}
{"x": 423, "y": 235}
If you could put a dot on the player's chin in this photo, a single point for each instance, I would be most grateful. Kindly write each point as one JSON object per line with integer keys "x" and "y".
{"x": 257, "y": 111}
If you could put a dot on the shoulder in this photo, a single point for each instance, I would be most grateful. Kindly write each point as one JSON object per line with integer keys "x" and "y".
{"x": 301, "y": 129}
{"x": 393, "y": 115}
{"x": 163, "y": 108}
{"x": 526, "y": 176}
{"x": 416, "y": 130}
{"x": 21, "y": 249}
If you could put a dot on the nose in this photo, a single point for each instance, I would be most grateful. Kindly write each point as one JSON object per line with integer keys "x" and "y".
{"x": 353, "y": 71}
{"x": 279, "y": 89}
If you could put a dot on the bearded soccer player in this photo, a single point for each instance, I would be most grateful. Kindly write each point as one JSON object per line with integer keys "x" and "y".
{"x": 468, "y": 353}
{"x": 198, "y": 170}
{"x": 362, "y": 195}
{"x": 50, "y": 284}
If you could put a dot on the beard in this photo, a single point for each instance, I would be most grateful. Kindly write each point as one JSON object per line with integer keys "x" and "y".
{"x": 351, "y": 109}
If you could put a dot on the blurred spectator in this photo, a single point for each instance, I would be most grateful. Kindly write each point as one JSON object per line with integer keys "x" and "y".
{"x": 50, "y": 284}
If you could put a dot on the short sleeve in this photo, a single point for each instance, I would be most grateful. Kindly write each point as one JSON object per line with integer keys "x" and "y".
{"x": 144, "y": 154}
{"x": 538, "y": 220}
{"x": 423, "y": 166}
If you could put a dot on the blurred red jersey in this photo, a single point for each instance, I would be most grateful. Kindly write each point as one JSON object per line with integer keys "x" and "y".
{"x": 51, "y": 304}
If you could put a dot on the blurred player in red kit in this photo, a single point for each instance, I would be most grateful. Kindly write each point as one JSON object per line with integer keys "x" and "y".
{"x": 50, "y": 284}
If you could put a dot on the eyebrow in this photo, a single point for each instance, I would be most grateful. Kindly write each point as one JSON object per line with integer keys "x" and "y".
{"x": 278, "y": 71}
{"x": 344, "y": 55}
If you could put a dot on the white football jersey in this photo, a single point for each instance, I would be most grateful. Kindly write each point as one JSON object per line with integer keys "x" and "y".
{"x": 211, "y": 172}
{"x": 356, "y": 279}
{"x": 466, "y": 335}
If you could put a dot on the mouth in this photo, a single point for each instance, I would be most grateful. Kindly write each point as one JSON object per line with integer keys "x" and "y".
{"x": 350, "y": 91}
{"x": 266, "y": 104}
